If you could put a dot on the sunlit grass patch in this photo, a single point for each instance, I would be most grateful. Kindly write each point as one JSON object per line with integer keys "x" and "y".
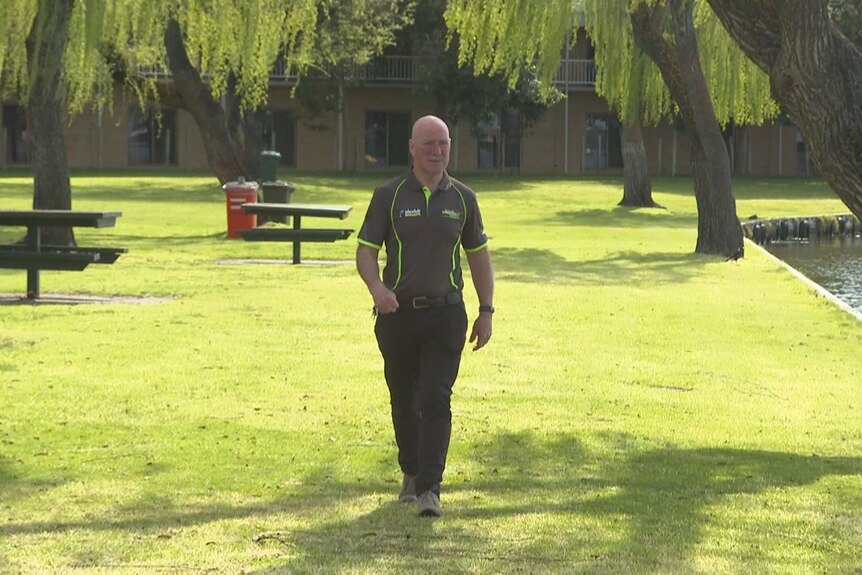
{"x": 640, "y": 408}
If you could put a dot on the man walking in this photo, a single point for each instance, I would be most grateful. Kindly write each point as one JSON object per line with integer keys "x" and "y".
{"x": 423, "y": 218}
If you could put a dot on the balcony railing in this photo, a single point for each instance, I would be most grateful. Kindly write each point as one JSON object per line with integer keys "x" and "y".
{"x": 389, "y": 69}
{"x": 386, "y": 69}
{"x": 576, "y": 74}
{"x": 572, "y": 74}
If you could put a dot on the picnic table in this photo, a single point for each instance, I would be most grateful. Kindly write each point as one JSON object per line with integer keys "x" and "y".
{"x": 296, "y": 234}
{"x": 34, "y": 256}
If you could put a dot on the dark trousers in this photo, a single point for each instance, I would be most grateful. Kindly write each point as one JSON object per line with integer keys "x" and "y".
{"x": 421, "y": 355}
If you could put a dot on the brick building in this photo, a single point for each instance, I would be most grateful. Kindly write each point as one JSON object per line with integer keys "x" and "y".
{"x": 577, "y": 136}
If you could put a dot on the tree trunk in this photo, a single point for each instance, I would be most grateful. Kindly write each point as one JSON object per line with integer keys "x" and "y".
{"x": 47, "y": 109}
{"x": 637, "y": 190}
{"x": 816, "y": 76}
{"x": 232, "y": 140}
{"x": 718, "y": 227}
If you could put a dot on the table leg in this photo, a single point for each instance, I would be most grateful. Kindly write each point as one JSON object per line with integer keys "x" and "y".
{"x": 34, "y": 242}
{"x": 296, "y": 243}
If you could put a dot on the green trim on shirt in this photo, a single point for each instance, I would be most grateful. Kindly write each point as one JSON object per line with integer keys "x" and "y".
{"x": 477, "y": 249}
{"x": 454, "y": 264}
{"x": 368, "y": 244}
{"x": 395, "y": 233}
{"x": 427, "y": 191}
{"x": 420, "y": 249}
{"x": 458, "y": 243}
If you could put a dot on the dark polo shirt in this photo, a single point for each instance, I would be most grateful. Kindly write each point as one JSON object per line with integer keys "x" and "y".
{"x": 423, "y": 231}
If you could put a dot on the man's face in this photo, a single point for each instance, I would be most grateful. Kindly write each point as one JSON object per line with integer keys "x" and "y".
{"x": 430, "y": 148}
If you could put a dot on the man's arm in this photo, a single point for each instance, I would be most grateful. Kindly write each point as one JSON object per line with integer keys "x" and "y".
{"x": 366, "y": 264}
{"x": 483, "y": 281}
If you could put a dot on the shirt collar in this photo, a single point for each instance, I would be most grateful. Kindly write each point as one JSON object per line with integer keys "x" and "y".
{"x": 444, "y": 184}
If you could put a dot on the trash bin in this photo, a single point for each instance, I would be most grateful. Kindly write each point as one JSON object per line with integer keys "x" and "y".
{"x": 239, "y": 193}
{"x": 276, "y": 193}
{"x": 269, "y": 160}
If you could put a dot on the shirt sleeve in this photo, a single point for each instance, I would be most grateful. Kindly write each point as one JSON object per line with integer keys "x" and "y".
{"x": 375, "y": 227}
{"x": 473, "y": 237}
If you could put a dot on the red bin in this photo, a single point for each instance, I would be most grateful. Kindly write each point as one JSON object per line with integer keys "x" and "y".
{"x": 237, "y": 194}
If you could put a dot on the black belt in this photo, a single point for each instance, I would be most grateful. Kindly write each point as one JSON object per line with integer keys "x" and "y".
{"x": 422, "y": 302}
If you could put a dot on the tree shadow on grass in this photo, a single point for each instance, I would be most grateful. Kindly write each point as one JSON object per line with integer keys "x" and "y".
{"x": 7, "y": 476}
{"x": 750, "y": 188}
{"x": 531, "y": 265}
{"x": 657, "y": 506}
{"x": 648, "y": 509}
{"x": 564, "y": 508}
{"x": 149, "y": 192}
{"x": 625, "y": 217}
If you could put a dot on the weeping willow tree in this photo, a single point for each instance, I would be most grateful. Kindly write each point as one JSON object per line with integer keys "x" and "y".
{"x": 219, "y": 52}
{"x": 220, "y": 55}
{"x": 500, "y": 36}
{"x": 52, "y": 72}
{"x": 63, "y": 56}
{"x": 707, "y": 96}
{"x": 31, "y": 72}
{"x": 815, "y": 73}
{"x": 46, "y": 113}
{"x": 705, "y": 91}
{"x": 632, "y": 86}
{"x": 51, "y": 54}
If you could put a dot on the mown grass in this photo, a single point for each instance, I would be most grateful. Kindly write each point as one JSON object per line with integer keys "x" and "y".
{"x": 639, "y": 409}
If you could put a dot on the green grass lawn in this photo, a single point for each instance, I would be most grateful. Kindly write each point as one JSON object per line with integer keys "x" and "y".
{"x": 640, "y": 409}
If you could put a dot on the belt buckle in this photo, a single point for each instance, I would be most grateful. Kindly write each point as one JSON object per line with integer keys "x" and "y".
{"x": 421, "y": 302}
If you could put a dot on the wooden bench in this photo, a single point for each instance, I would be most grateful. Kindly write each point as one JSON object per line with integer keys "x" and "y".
{"x": 296, "y": 234}
{"x": 45, "y": 260}
{"x": 9, "y": 253}
{"x": 33, "y": 256}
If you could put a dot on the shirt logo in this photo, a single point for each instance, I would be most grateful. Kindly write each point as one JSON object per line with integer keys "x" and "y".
{"x": 452, "y": 214}
{"x": 411, "y": 213}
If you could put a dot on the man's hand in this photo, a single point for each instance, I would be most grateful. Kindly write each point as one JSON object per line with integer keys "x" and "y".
{"x": 481, "y": 331}
{"x": 384, "y": 299}
{"x": 366, "y": 263}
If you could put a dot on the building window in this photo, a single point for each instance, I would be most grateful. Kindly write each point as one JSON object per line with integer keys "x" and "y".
{"x": 499, "y": 142}
{"x": 511, "y": 140}
{"x": 15, "y": 129}
{"x": 280, "y": 135}
{"x": 804, "y": 164}
{"x": 486, "y": 142}
{"x": 152, "y": 140}
{"x": 386, "y": 139}
{"x": 602, "y": 148}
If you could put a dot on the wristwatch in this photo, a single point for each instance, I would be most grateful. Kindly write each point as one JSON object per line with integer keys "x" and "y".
{"x": 486, "y": 309}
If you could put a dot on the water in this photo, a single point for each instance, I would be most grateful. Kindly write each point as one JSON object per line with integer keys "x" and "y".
{"x": 834, "y": 264}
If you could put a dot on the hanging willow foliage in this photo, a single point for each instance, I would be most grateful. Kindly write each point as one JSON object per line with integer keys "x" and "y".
{"x": 739, "y": 89}
{"x": 243, "y": 37}
{"x": 626, "y": 77}
{"x": 16, "y": 20}
{"x": 505, "y": 36}
{"x": 105, "y": 34}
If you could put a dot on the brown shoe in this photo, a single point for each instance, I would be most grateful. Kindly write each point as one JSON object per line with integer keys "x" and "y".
{"x": 429, "y": 505}
{"x": 408, "y": 489}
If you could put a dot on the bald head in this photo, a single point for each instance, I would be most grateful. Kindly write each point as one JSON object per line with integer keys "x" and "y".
{"x": 429, "y": 147}
{"x": 426, "y": 123}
